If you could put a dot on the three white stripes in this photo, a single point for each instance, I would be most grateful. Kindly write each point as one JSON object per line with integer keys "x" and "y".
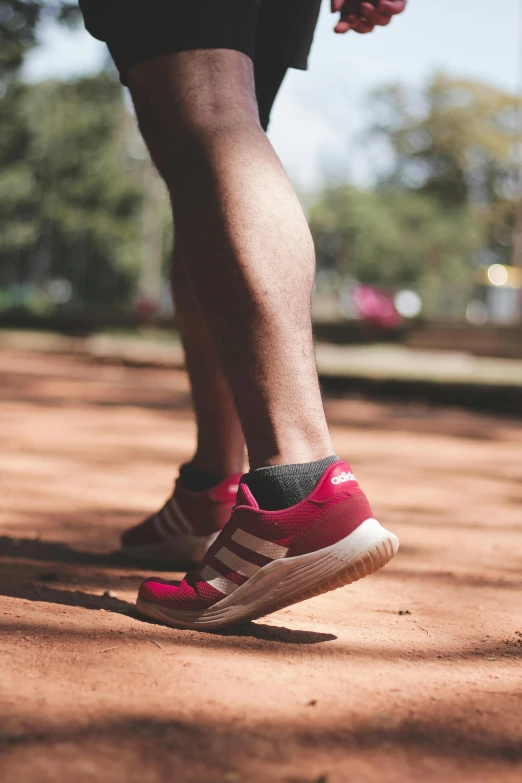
{"x": 171, "y": 520}
{"x": 266, "y": 548}
{"x": 238, "y": 564}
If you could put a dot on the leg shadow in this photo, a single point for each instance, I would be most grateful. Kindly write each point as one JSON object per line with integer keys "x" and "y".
{"x": 56, "y": 552}
{"x": 52, "y": 595}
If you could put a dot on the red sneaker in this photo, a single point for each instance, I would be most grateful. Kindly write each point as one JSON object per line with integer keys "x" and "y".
{"x": 185, "y": 527}
{"x": 265, "y": 560}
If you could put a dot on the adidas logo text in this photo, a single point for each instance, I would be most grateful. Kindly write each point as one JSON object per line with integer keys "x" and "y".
{"x": 343, "y": 477}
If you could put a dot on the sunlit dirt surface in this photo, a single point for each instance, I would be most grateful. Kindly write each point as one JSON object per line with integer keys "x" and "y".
{"x": 414, "y": 674}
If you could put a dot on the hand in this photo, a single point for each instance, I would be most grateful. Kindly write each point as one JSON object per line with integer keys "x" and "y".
{"x": 362, "y": 17}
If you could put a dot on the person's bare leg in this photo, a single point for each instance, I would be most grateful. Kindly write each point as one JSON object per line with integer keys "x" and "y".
{"x": 220, "y": 446}
{"x": 205, "y": 491}
{"x": 220, "y": 442}
{"x": 244, "y": 240}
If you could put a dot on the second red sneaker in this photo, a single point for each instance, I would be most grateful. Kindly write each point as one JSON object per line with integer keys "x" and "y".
{"x": 184, "y": 528}
{"x": 265, "y": 560}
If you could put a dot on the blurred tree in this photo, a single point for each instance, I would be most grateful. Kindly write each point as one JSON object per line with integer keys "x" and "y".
{"x": 446, "y": 203}
{"x": 19, "y": 24}
{"x": 393, "y": 237}
{"x": 454, "y": 139}
{"x": 70, "y": 196}
{"x": 458, "y": 141}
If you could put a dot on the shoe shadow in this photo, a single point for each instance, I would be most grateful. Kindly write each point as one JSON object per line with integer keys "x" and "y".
{"x": 261, "y": 631}
{"x": 52, "y": 595}
{"x": 56, "y": 552}
{"x": 254, "y": 630}
{"x": 277, "y": 633}
{"x": 50, "y": 551}
{"x": 45, "y": 551}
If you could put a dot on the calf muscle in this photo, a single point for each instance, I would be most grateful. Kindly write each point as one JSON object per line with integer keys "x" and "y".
{"x": 244, "y": 241}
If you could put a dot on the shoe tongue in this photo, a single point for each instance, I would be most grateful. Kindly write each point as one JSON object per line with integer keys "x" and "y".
{"x": 245, "y": 497}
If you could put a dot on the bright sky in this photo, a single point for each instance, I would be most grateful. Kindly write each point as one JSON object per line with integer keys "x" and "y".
{"x": 319, "y": 113}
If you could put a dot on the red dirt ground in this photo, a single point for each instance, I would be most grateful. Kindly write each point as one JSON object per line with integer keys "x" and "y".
{"x": 411, "y": 675}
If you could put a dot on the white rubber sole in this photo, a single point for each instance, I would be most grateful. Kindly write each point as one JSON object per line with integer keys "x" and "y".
{"x": 182, "y": 548}
{"x": 289, "y": 580}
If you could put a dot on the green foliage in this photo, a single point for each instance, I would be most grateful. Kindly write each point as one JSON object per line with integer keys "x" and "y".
{"x": 395, "y": 237}
{"x": 448, "y": 201}
{"x": 70, "y": 196}
{"x": 455, "y": 139}
{"x": 72, "y": 179}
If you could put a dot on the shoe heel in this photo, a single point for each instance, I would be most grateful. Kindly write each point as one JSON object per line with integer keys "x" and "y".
{"x": 363, "y": 552}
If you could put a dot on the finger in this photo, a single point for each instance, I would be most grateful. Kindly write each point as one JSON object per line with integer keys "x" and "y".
{"x": 369, "y": 12}
{"x": 391, "y": 7}
{"x": 342, "y": 26}
{"x": 344, "y": 7}
{"x": 361, "y": 25}
{"x": 374, "y": 16}
{"x": 348, "y": 7}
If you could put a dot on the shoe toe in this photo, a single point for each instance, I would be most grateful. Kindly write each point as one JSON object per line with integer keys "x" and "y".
{"x": 157, "y": 590}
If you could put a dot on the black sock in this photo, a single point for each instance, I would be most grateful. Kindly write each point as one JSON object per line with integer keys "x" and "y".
{"x": 197, "y": 480}
{"x": 282, "y": 486}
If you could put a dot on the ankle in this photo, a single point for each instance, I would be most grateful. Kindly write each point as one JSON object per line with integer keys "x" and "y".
{"x": 293, "y": 451}
{"x": 196, "y": 480}
{"x": 282, "y": 486}
{"x": 212, "y": 461}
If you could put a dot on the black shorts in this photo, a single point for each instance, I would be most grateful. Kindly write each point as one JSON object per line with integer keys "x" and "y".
{"x": 275, "y": 34}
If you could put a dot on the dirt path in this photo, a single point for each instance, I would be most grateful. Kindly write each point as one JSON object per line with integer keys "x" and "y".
{"x": 412, "y": 675}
